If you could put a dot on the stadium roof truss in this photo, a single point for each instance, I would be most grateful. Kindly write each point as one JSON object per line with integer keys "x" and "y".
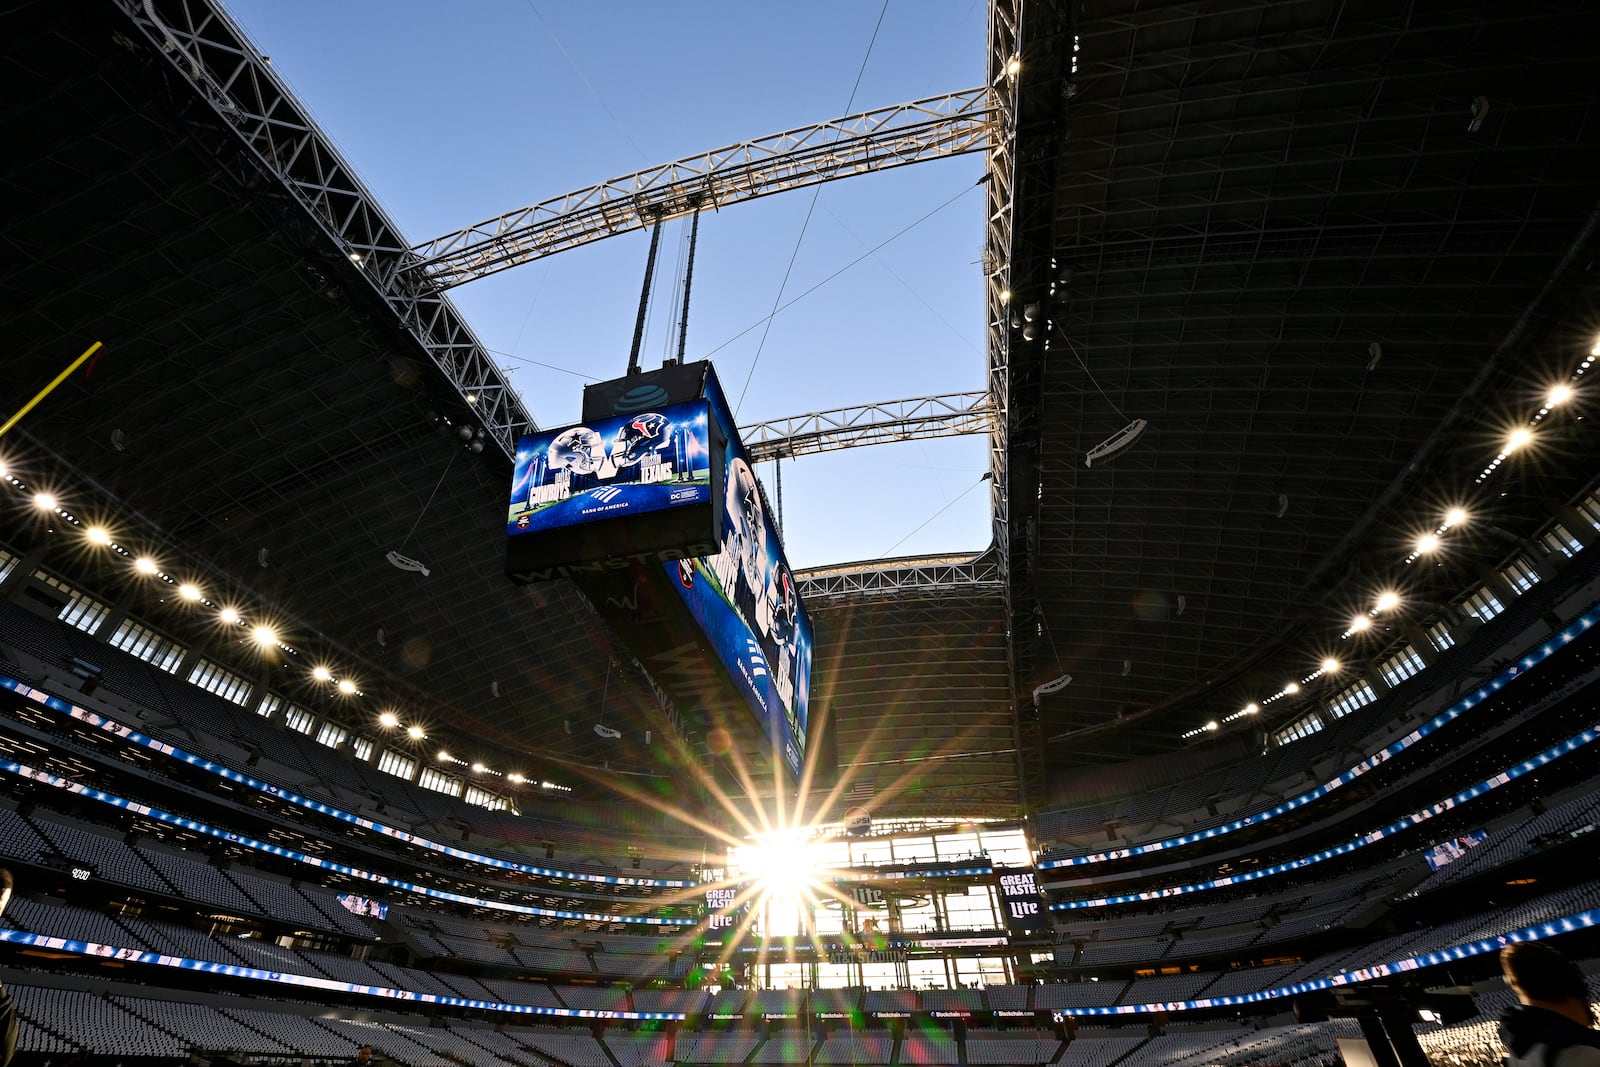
{"x": 1328, "y": 252}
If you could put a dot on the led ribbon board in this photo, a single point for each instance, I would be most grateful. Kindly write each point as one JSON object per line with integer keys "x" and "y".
{"x": 55, "y": 781}
{"x": 1584, "y": 920}
{"x": 257, "y": 974}
{"x": 112, "y": 726}
{"x": 1416, "y": 818}
{"x": 1531, "y": 659}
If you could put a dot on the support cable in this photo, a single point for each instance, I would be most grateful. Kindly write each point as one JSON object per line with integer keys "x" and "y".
{"x": 644, "y": 294}
{"x": 688, "y": 281}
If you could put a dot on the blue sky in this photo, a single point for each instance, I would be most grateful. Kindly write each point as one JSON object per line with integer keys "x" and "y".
{"x": 453, "y": 113}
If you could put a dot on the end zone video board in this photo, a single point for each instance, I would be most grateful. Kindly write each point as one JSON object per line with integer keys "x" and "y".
{"x": 652, "y": 507}
{"x": 745, "y": 601}
{"x": 578, "y": 492}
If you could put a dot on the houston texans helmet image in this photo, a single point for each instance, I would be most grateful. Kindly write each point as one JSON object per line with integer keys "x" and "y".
{"x": 638, "y": 437}
{"x": 785, "y": 605}
{"x": 579, "y": 450}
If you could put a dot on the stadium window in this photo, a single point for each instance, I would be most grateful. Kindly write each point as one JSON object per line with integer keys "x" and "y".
{"x": 1439, "y": 636}
{"x": 361, "y": 748}
{"x": 332, "y": 735}
{"x": 298, "y": 719}
{"x": 269, "y": 706}
{"x": 1520, "y": 574}
{"x": 1005, "y": 846}
{"x": 1484, "y": 604}
{"x": 1589, "y": 508}
{"x": 1560, "y": 539}
{"x": 8, "y": 563}
{"x": 215, "y": 678}
{"x": 1297, "y": 730}
{"x": 1402, "y": 665}
{"x": 392, "y": 762}
{"x": 83, "y": 612}
{"x": 163, "y": 653}
{"x": 1350, "y": 698}
{"x": 484, "y": 798}
{"x": 439, "y": 782}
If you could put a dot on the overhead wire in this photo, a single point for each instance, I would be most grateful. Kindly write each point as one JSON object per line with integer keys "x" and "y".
{"x": 981, "y": 479}
{"x": 864, "y": 256}
{"x": 816, "y": 191}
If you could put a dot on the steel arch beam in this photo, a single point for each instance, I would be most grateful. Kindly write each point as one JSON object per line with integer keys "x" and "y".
{"x": 901, "y": 577}
{"x": 869, "y": 424}
{"x": 245, "y": 100}
{"x": 933, "y": 128}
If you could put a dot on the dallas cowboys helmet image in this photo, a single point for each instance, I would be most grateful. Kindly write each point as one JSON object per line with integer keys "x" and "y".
{"x": 748, "y": 539}
{"x": 579, "y": 450}
{"x": 638, "y": 437}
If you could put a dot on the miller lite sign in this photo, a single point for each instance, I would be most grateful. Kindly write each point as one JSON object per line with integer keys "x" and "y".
{"x": 1019, "y": 897}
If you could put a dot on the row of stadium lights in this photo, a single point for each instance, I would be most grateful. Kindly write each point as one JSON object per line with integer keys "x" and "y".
{"x": 1427, "y": 543}
{"x": 262, "y": 633}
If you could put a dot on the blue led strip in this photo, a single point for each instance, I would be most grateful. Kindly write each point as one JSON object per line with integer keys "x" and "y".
{"x": 1455, "y": 711}
{"x": 112, "y": 726}
{"x": 134, "y": 955}
{"x": 1580, "y": 921}
{"x": 78, "y": 789}
{"x": 1510, "y": 774}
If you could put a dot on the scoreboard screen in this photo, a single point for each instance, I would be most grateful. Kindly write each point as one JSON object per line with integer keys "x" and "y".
{"x": 609, "y": 469}
{"x": 745, "y": 601}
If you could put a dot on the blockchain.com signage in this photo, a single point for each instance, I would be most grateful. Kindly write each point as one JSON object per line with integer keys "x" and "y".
{"x": 745, "y": 600}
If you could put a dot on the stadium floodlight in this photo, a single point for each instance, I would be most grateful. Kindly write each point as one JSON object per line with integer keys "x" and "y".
{"x": 44, "y": 501}
{"x": 98, "y": 535}
{"x": 1117, "y": 443}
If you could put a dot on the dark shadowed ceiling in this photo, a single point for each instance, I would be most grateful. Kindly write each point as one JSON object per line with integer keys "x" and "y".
{"x": 1278, "y": 232}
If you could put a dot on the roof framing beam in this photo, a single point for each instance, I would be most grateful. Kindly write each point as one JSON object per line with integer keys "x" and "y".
{"x": 208, "y": 51}
{"x": 913, "y": 575}
{"x": 950, "y": 415}
{"x": 932, "y": 128}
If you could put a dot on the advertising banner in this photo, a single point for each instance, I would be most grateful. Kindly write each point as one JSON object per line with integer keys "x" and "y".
{"x": 1019, "y": 898}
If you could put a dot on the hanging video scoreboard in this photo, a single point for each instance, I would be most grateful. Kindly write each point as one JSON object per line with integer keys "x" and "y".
{"x": 652, "y": 507}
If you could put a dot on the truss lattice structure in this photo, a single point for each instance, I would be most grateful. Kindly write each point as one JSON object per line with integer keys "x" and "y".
{"x": 209, "y": 51}
{"x": 918, "y": 575}
{"x": 932, "y": 128}
{"x": 869, "y": 424}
